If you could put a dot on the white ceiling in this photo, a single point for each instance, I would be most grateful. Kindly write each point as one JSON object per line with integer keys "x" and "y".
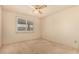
{"x": 27, "y": 9}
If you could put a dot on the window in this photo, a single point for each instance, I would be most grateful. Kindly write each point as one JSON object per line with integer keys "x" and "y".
{"x": 24, "y": 25}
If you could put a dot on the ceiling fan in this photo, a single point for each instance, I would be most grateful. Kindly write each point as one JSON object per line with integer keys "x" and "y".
{"x": 38, "y": 8}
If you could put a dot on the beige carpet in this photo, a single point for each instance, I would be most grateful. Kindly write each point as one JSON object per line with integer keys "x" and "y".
{"x": 38, "y": 46}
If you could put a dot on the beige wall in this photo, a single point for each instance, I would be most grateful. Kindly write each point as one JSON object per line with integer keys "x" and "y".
{"x": 62, "y": 27}
{"x": 9, "y": 28}
{"x": 0, "y": 25}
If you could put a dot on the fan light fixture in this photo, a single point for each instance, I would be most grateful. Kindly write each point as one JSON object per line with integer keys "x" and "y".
{"x": 39, "y": 8}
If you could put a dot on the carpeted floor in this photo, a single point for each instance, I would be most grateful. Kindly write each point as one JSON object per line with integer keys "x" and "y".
{"x": 37, "y": 46}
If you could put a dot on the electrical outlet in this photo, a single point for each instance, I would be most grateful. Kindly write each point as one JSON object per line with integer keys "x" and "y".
{"x": 75, "y": 41}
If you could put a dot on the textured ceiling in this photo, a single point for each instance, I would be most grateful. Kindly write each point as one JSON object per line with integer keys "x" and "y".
{"x": 28, "y": 9}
